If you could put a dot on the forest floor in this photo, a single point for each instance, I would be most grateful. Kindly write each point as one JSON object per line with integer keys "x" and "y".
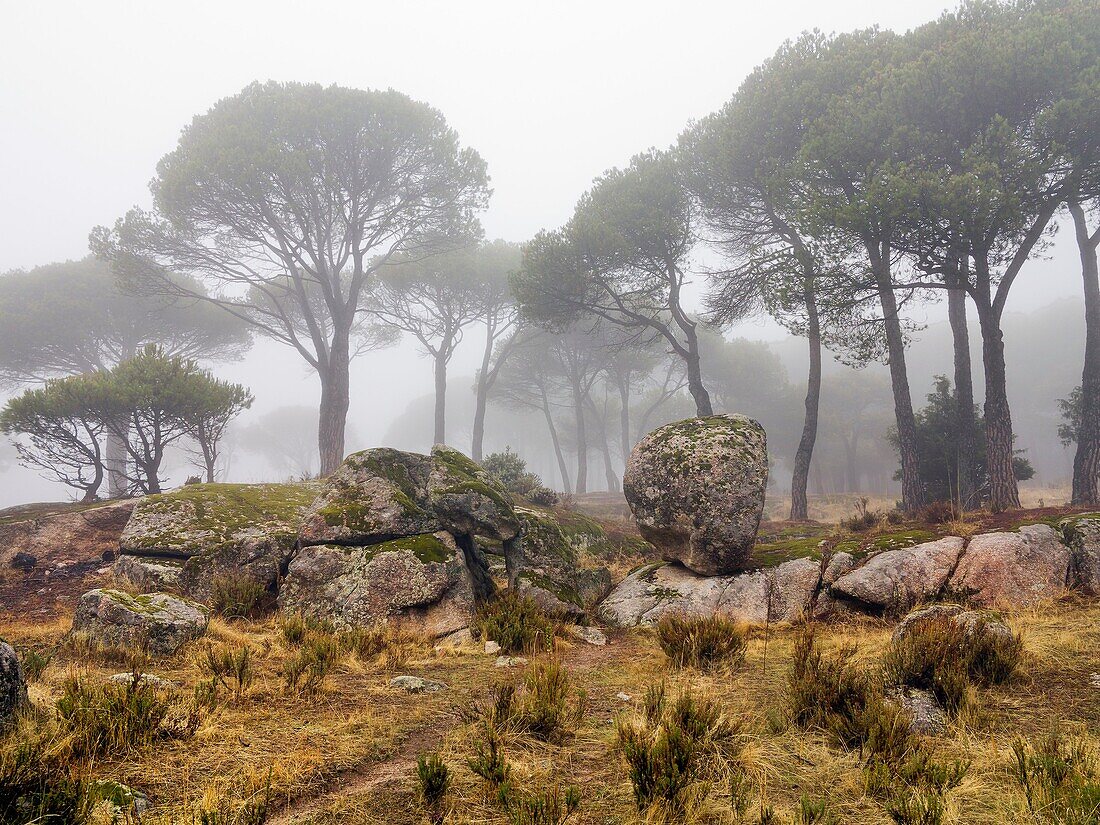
{"x": 346, "y": 752}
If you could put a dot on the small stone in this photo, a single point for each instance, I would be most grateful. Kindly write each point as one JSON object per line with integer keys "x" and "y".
{"x": 416, "y": 684}
{"x": 624, "y": 697}
{"x": 925, "y": 714}
{"x": 1094, "y": 680}
{"x": 492, "y": 648}
{"x": 589, "y": 635}
{"x": 510, "y": 661}
{"x": 460, "y": 637}
{"x": 23, "y": 561}
{"x": 153, "y": 681}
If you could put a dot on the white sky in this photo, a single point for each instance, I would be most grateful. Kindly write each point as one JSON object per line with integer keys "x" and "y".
{"x": 93, "y": 94}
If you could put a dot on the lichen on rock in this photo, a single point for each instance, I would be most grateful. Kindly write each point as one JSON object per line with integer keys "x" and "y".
{"x": 696, "y": 489}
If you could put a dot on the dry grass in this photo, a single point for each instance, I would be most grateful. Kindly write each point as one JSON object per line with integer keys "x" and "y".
{"x": 348, "y": 753}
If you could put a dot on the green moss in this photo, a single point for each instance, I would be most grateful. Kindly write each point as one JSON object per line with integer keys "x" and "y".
{"x": 426, "y": 547}
{"x": 478, "y": 488}
{"x": 204, "y": 517}
{"x": 774, "y": 553}
{"x": 393, "y": 465}
{"x": 457, "y": 463}
{"x": 561, "y": 591}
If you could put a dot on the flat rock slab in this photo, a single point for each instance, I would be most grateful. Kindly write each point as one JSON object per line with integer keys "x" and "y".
{"x": 416, "y": 684}
{"x": 781, "y": 593}
{"x": 901, "y": 577}
{"x": 696, "y": 489}
{"x": 158, "y": 622}
{"x": 1018, "y": 568}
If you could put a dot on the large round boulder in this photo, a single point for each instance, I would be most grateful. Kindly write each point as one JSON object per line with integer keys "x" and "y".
{"x": 696, "y": 489}
{"x": 157, "y": 622}
{"x": 468, "y": 500}
{"x": 13, "y": 688}
{"x": 421, "y": 581}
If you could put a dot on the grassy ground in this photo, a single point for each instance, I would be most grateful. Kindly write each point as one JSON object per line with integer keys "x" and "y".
{"x": 347, "y": 754}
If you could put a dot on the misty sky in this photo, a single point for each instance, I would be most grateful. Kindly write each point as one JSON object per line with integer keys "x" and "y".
{"x": 551, "y": 94}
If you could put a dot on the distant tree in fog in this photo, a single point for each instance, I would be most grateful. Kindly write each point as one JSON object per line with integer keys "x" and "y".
{"x": 72, "y": 317}
{"x": 149, "y": 402}
{"x": 286, "y": 200}
{"x": 497, "y": 312}
{"x": 435, "y": 299}
{"x": 286, "y": 438}
{"x": 623, "y": 258}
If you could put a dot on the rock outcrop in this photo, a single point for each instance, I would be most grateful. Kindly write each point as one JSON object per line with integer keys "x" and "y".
{"x": 70, "y": 534}
{"x": 193, "y": 538}
{"x": 902, "y": 577}
{"x": 420, "y": 580}
{"x": 696, "y": 489}
{"x": 13, "y": 687}
{"x": 1082, "y": 536}
{"x": 157, "y": 622}
{"x": 546, "y": 563}
{"x": 781, "y": 593}
{"x": 1017, "y": 568}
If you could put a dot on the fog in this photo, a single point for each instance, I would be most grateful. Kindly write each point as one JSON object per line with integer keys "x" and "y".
{"x": 550, "y": 94}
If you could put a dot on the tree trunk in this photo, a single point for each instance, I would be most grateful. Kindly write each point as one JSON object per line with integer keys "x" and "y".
{"x": 334, "y": 410}
{"x": 1086, "y": 460}
{"x": 115, "y": 463}
{"x": 563, "y": 468}
{"x": 481, "y": 402}
{"x": 695, "y": 377}
{"x": 964, "y": 393}
{"x": 804, "y": 454}
{"x": 851, "y": 466}
{"x": 582, "y": 439}
{"x": 624, "y": 418}
{"x": 440, "y": 435}
{"x": 912, "y": 493}
{"x": 1003, "y": 491}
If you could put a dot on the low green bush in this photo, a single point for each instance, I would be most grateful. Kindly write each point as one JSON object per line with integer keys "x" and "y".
{"x": 306, "y": 670}
{"x": 702, "y": 642}
{"x": 239, "y": 597}
{"x": 434, "y": 779}
{"x": 514, "y": 622}
{"x": 1059, "y": 777}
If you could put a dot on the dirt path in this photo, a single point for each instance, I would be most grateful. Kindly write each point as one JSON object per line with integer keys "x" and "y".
{"x": 399, "y": 767}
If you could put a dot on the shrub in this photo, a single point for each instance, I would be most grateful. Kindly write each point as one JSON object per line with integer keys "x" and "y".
{"x": 543, "y": 496}
{"x": 689, "y": 742}
{"x": 546, "y": 807}
{"x": 34, "y": 663}
{"x": 306, "y": 671}
{"x": 293, "y": 627}
{"x": 863, "y": 519}
{"x": 110, "y": 719}
{"x": 944, "y": 656}
{"x": 547, "y": 708}
{"x": 384, "y": 645}
{"x": 1059, "y": 778}
{"x": 939, "y": 512}
{"x": 35, "y": 786}
{"x": 813, "y": 812}
{"x": 228, "y": 669}
{"x": 434, "y": 778}
{"x": 514, "y": 622}
{"x": 488, "y": 760}
{"x": 238, "y": 597}
{"x": 702, "y": 642}
{"x": 511, "y": 470}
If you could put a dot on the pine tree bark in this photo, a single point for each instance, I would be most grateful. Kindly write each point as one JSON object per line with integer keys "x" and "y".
{"x": 964, "y": 393}
{"x": 335, "y": 399}
{"x": 115, "y": 458}
{"x": 563, "y": 468}
{"x": 804, "y": 454}
{"x": 440, "y": 432}
{"x": 624, "y": 418}
{"x": 1004, "y": 494}
{"x": 581, "y": 438}
{"x": 912, "y": 492}
{"x": 1086, "y": 459}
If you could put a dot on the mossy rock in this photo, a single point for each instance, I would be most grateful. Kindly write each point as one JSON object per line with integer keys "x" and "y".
{"x": 468, "y": 500}
{"x": 212, "y": 531}
{"x": 696, "y": 489}
{"x": 374, "y": 496}
{"x": 158, "y": 622}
